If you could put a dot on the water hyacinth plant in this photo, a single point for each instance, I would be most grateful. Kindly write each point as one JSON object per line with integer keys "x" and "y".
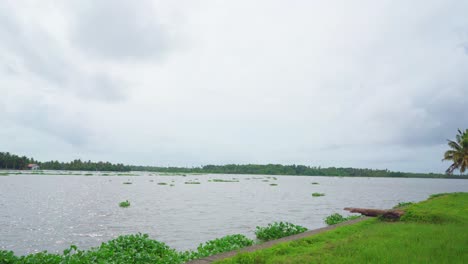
{"x": 192, "y": 182}
{"x": 278, "y": 230}
{"x": 315, "y": 194}
{"x": 137, "y": 248}
{"x": 219, "y": 245}
{"x": 337, "y": 218}
{"x": 124, "y": 204}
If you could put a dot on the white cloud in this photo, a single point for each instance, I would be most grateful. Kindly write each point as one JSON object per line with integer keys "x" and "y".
{"x": 332, "y": 83}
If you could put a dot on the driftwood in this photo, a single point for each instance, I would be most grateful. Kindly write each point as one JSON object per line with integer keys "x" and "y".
{"x": 389, "y": 214}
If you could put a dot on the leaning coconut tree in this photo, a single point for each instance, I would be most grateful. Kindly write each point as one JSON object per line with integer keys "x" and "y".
{"x": 458, "y": 153}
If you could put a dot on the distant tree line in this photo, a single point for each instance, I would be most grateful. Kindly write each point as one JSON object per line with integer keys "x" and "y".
{"x": 15, "y": 162}
{"x": 277, "y": 169}
{"x": 11, "y": 161}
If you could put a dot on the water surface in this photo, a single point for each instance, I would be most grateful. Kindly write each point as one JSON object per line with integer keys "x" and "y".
{"x": 50, "y": 212}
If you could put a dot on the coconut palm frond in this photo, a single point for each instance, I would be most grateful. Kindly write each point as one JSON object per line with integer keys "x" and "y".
{"x": 458, "y": 152}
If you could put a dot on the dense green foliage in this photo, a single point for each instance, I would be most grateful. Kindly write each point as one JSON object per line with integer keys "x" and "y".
{"x": 137, "y": 248}
{"x": 433, "y": 231}
{"x": 277, "y": 169}
{"x": 15, "y": 162}
{"x": 219, "y": 245}
{"x": 278, "y": 230}
{"x": 458, "y": 153}
{"x": 337, "y": 218}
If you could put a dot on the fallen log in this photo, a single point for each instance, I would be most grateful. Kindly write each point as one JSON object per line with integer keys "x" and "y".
{"x": 388, "y": 214}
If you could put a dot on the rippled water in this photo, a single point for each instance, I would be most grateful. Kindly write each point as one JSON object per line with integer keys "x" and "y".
{"x": 50, "y": 212}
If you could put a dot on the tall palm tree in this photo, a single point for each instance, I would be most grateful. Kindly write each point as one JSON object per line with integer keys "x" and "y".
{"x": 458, "y": 153}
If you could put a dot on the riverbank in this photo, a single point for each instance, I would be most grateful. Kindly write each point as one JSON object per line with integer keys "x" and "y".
{"x": 432, "y": 231}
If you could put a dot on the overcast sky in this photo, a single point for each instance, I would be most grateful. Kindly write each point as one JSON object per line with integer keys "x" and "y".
{"x": 376, "y": 84}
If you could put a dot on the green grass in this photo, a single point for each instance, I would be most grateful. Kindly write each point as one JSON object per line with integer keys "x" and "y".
{"x": 124, "y": 204}
{"x": 433, "y": 231}
{"x": 315, "y": 194}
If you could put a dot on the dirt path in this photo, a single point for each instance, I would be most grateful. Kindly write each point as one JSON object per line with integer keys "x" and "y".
{"x": 272, "y": 242}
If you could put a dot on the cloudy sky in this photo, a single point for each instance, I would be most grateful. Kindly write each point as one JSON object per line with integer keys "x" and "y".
{"x": 376, "y": 84}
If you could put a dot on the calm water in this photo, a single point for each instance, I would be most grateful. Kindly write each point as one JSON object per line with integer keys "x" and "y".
{"x": 50, "y": 212}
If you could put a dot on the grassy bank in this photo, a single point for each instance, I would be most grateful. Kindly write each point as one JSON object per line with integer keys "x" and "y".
{"x": 433, "y": 231}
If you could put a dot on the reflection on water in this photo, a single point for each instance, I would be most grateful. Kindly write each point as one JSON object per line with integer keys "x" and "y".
{"x": 50, "y": 212}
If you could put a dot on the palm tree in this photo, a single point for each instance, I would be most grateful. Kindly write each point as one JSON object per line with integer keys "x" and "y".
{"x": 458, "y": 153}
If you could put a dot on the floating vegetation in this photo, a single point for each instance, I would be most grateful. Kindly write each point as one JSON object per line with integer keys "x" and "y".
{"x": 151, "y": 180}
{"x": 222, "y": 180}
{"x": 273, "y": 184}
{"x": 138, "y": 248}
{"x": 191, "y": 182}
{"x": 337, "y": 218}
{"x": 88, "y": 174}
{"x": 172, "y": 185}
{"x": 126, "y": 182}
{"x": 126, "y": 174}
{"x": 278, "y": 230}
{"x": 265, "y": 181}
{"x": 162, "y": 183}
{"x": 315, "y": 183}
{"x": 219, "y": 245}
{"x": 274, "y": 178}
{"x": 124, "y": 204}
{"x": 105, "y": 174}
{"x": 315, "y": 194}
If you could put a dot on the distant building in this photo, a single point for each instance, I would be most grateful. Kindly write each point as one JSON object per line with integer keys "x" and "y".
{"x": 33, "y": 166}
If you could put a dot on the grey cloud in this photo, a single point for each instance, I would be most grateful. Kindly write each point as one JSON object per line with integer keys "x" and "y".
{"x": 119, "y": 30}
{"x": 28, "y": 49}
{"x": 52, "y": 120}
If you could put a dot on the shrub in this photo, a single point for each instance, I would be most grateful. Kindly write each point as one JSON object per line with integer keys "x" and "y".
{"x": 337, "y": 218}
{"x": 317, "y": 194}
{"x": 278, "y": 230}
{"x": 219, "y": 245}
{"x": 124, "y": 204}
